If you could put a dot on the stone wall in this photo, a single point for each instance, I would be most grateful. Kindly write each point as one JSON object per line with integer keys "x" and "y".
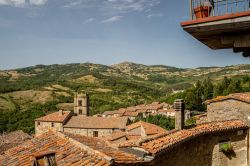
{"x": 204, "y": 151}
{"x": 227, "y": 110}
{"x": 42, "y": 127}
{"x": 89, "y": 132}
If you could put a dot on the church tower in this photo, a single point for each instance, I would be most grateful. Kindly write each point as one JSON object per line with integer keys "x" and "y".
{"x": 81, "y": 104}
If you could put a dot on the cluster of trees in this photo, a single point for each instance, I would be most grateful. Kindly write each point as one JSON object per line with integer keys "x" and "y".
{"x": 205, "y": 90}
{"x": 24, "y": 120}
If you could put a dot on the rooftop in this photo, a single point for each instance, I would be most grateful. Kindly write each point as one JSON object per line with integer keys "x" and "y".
{"x": 164, "y": 141}
{"x": 55, "y": 117}
{"x": 150, "y": 129}
{"x": 81, "y": 121}
{"x": 12, "y": 139}
{"x": 245, "y": 97}
{"x": 68, "y": 152}
{"x": 105, "y": 148}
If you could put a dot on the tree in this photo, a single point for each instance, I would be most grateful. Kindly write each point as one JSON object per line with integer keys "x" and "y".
{"x": 208, "y": 89}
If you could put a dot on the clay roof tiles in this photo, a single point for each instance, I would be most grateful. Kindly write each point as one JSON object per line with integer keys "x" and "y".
{"x": 55, "y": 117}
{"x": 66, "y": 152}
{"x": 12, "y": 139}
{"x": 150, "y": 129}
{"x": 165, "y": 141}
{"x": 116, "y": 135}
{"x": 131, "y": 114}
{"x": 84, "y": 122}
{"x": 105, "y": 148}
{"x": 245, "y": 97}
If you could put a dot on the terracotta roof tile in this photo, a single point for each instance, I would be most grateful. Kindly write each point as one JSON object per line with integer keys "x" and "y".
{"x": 165, "y": 141}
{"x": 81, "y": 121}
{"x": 131, "y": 114}
{"x": 55, "y": 117}
{"x": 245, "y": 97}
{"x": 116, "y": 135}
{"x": 66, "y": 152}
{"x": 150, "y": 129}
{"x": 105, "y": 148}
{"x": 12, "y": 139}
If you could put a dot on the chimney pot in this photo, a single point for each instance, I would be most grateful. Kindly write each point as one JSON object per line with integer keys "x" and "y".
{"x": 60, "y": 112}
{"x": 179, "y": 106}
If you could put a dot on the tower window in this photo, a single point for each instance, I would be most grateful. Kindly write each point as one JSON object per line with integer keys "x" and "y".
{"x": 52, "y": 124}
{"x": 80, "y": 111}
{"x": 95, "y": 133}
{"x": 79, "y": 102}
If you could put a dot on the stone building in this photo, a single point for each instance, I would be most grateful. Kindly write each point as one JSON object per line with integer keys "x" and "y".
{"x": 54, "y": 121}
{"x": 201, "y": 145}
{"x": 81, "y": 104}
{"x": 95, "y": 126}
{"x": 217, "y": 143}
{"x": 233, "y": 106}
{"x": 79, "y": 121}
{"x": 135, "y": 131}
{"x": 171, "y": 113}
{"x": 197, "y": 146}
{"x": 144, "y": 110}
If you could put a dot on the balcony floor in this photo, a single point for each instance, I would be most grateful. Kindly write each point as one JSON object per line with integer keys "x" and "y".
{"x": 219, "y": 32}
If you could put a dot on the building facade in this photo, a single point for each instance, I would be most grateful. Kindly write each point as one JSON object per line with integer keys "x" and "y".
{"x": 234, "y": 106}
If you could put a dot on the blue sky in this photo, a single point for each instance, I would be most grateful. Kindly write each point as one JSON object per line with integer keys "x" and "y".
{"x": 102, "y": 31}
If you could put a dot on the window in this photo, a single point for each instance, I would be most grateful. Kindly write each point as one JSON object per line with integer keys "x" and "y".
{"x": 79, "y": 102}
{"x": 52, "y": 124}
{"x": 95, "y": 133}
{"x": 48, "y": 160}
{"x": 80, "y": 111}
{"x": 38, "y": 123}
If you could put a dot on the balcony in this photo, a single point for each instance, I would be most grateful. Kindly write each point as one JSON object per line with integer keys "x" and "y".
{"x": 220, "y": 24}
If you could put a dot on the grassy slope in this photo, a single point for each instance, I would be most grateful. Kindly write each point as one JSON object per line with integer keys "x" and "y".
{"x": 111, "y": 87}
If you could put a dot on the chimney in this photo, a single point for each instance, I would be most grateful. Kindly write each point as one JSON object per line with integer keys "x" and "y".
{"x": 179, "y": 106}
{"x": 61, "y": 112}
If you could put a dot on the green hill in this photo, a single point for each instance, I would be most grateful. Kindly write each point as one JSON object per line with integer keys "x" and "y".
{"x": 37, "y": 90}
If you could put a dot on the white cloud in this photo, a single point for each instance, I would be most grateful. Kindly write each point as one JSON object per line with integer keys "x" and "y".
{"x": 38, "y": 2}
{"x": 17, "y": 3}
{"x": 89, "y": 20}
{"x": 22, "y": 3}
{"x": 124, "y": 6}
{"x": 112, "y": 19}
{"x": 79, "y": 3}
{"x": 154, "y": 15}
{"x": 113, "y": 6}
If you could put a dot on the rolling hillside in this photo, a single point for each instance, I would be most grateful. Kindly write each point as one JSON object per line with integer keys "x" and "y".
{"x": 110, "y": 87}
{"x": 28, "y": 93}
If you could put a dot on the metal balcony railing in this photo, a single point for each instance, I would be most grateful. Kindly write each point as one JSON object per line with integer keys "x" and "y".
{"x": 218, "y": 7}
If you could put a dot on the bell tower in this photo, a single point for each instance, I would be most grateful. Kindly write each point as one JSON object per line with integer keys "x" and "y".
{"x": 81, "y": 104}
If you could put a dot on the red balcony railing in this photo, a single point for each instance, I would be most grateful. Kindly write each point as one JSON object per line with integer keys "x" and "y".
{"x": 206, "y": 8}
